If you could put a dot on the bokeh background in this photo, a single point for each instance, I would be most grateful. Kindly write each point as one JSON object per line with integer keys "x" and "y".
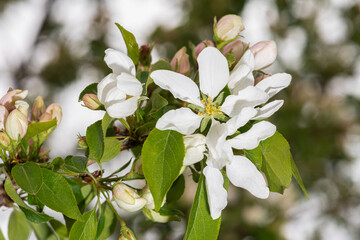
{"x": 54, "y": 48}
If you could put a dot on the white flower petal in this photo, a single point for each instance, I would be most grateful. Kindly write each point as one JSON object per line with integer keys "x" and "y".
{"x": 182, "y": 120}
{"x": 179, "y": 85}
{"x": 194, "y": 147}
{"x": 108, "y": 83}
{"x": 243, "y": 173}
{"x": 216, "y": 194}
{"x": 251, "y": 139}
{"x": 248, "y": 97}
{"x": 240, "y": 120}
{"x": 129, "y": 84}
{"x": 241, "y": 76}
{"x": 220, "y": 151}
{"x": 268, "y": 109}
{"x": 213, "y": 71}
{"x": 121, "y": 108}
{"x": 275, "y": 83}
{"x": 119, "y": 62}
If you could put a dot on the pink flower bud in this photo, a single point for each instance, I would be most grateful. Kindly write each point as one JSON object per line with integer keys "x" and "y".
{"x": 91, "y": 101}
{"x": 52, "y": 111}
{"x": 8, "y": 100}
{"x": 16, "y": 125}
{"x": 82, "y": 143}
{"x": 127, "y": 198}
{"x": 3, "y": 115}
{"x": 262, "y": 77}
{"x": 38, "y": 109}
{"x": 126, "y": 234}
{"x": 236, "y": 48}
{"x": 4, "y": 140}
{"x": 228, "y": 27}
{"x": 202, "y": 45}
{"x": 265, "y": 53}
{"x": 23, "y": 107}
{"x": 180, "y": 62}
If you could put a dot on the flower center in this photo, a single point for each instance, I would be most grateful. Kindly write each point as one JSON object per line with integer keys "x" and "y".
{"x": 209, "y": 107}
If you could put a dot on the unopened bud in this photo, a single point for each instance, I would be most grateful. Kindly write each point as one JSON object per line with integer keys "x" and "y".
{"x": 3, "y": 115}
{"x": 265, "y": 53}
{"x": 228, "y": 27}
{"x": 202, "y": 45}
{"x": 145, "y": 193}
{"x": 91, "y": 101}
{"x": 180, "y": 62}
{"x": 38, "y": 109}
{"x": 4, "y": 140}
{"x": 194, "y": 148}
{"x": 22, "y": 106}
{"x": 157, "y": 217}
{"x": 52, "y": 111}
{"x": 262, "y": 77}
{"x": 8, "y": 100}
{"x": 127, "y": 198}
{"x": 16, "y": 124}
{"x": 145, "y": 55}
{"x": 126, "y": 234}
{"x": 82, "y": 143}
{"x": 235, "y": 48}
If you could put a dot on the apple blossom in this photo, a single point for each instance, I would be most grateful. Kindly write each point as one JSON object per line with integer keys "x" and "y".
{"x": 194, "y": 148}
{"x": 119, "y": 91}
{"x": 38, "y": 109}
{"x": 202, "y": 45}
{"x": 16, "y": 124}
{"x": 213, "y": 77}
{"x": 91, "y": 101}
{"x": 236, "y": 48}
{"x": 3, "y": 115}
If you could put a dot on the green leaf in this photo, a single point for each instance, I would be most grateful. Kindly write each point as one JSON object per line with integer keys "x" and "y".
{"x": 107, "y": 222}
{"x": 276, "y": 162}
{"x": 43, "y": 231}
{"x": 112, "y": 147}
{"x": 255, "y": 157}
{"x": 30, "y": 213}
{"x": 59, "y": 228}
{"x": 162, "y": 157}
{"x": 28, "y": 176}
{"x": 297, "y": 176}
{"x": 157, "y": 102}
{"x": 92, "y": 88}
{"x": 84, "y": 230}
{"x": 201, "y": 225}
{"x": 1, "y": 235}
{"x": 38, "y": 127}
{"x": 95, "y": 140}
{"x": 176, "y": 190}
{"x": 57, "y": 194}
{"x": 76, "y": 163}
{"x": 105, "y": 122}
{"x": 18, "y": 228}
{"x": 131, "y": 44}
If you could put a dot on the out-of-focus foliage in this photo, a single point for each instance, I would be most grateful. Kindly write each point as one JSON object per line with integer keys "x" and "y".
{"x": 314, "y": 120}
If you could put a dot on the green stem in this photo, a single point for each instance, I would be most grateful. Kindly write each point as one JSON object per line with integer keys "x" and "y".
{"x": 122, "y": 222}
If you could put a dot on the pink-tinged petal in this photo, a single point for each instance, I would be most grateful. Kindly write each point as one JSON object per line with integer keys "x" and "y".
{"x": 3, "y": 115}
{"x": 10, "y": 97}
{"x": 268, "y": 109}
{"x": 213, "y": 71}
{"x": 243, "y": 173}
{"x": 248, "y": 97}
{"x": 119, "y": 62}
{"x": 23, "y": 107}
{"x": 179, "y": 85}
{"x": 240, "y": 120}
{"x": 241, "y": 76}
{"x": 275, "y": 83}
{"x": 251, "y": 139}
{"x": 129, "y": 84}
{"x": 182, "y": 120}
{"x": 121, "y": 108}
{"x": 108, "y": 83}
{"x": 216, "y": 194}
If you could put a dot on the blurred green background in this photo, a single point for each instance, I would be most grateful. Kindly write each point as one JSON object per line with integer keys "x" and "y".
{"x": 47, "y": 46}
